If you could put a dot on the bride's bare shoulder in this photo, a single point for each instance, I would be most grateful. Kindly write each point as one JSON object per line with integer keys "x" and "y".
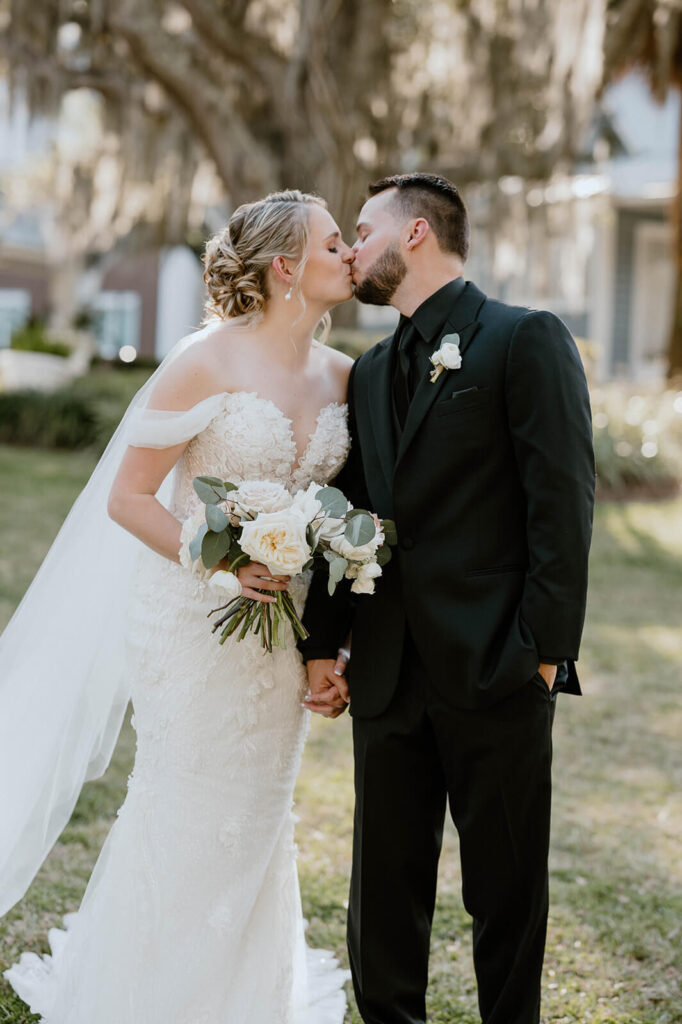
{"x": 337, "y": 365}
{"x": 191, "y": 377}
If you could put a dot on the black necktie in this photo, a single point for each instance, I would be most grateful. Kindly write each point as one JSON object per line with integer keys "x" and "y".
{"x": 404, "y": 377}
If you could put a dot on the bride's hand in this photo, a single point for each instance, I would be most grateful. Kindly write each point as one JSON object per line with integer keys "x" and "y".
{"x": 254, "y": 577}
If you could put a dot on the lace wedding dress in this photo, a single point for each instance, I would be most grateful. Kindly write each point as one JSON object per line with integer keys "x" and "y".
{"x": 192, "y": 914}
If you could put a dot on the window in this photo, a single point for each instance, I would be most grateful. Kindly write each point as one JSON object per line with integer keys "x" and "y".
{"x": 117, "y": 321}
{"x": 15, "y": 309}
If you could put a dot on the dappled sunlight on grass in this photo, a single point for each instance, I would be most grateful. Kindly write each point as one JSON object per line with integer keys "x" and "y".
{"x": 615, "y": 938}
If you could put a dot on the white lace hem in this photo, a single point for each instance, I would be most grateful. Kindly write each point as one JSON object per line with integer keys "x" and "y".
{"x": 32, "y": 977}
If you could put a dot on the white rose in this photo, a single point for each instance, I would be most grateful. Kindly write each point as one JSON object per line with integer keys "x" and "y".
{"x": 365, "y": 577}
{"x": 278, "y": 539}
{"x": 362, "y": 552}
{"x": 448, "y": 355}
{"x": 332, "y": 527}
{"x": 227, "y": 583}
{"x": 261, "y": 496}
{"x": 306, "y": 503}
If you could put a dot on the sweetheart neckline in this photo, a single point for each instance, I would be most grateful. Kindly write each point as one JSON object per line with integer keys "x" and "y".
{"x": 297, "y": 465}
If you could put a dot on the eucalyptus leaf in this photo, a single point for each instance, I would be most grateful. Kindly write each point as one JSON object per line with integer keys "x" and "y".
{"x": 230, "y": 487}
{"x": 389, "y": 531}
{"x": 214, "y": 481}
{"x": 235, "y": 550}
{"x": 195, "y": 544}
{"x": 360, "y": 530}
{"x": 216, "y": 518}
{"x": 337, "y": 568}
{"x": 384, "y": 555}
{"x": 333, "y": 501}
{"x": 214, "y": 547}
{"x": 236, "y": 556}
{"x": 208, "y": 490}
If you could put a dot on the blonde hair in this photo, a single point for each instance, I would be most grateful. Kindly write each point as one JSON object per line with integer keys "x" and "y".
{"x": 237, "y": 259}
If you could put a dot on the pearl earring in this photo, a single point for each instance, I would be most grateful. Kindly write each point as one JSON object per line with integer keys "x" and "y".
{"x": 287, "y": 297}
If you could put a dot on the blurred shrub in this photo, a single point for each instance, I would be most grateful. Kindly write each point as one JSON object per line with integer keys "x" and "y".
{"x": 116, "y": 365}
{"x": 33, "y": 338}
{"x": 60, "y": 419}
{"x": 84, "y": 414}
{"x": 637, "y": 441}
{"x": 108, "y": 389}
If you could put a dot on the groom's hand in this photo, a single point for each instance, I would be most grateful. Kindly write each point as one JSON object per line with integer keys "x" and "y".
{"x": 328, "y": 687}
{"x": 548, "y": 673}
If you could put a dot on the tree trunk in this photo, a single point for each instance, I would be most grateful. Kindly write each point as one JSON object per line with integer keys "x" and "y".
{"x": 64, "y": 272}
{"x": 675, "y": 342}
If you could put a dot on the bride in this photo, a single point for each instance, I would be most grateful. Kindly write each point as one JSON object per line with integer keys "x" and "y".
{"x": 192, "y": 914}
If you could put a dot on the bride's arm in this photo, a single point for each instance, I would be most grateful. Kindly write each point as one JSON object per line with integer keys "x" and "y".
{"x": 132, "y": 502}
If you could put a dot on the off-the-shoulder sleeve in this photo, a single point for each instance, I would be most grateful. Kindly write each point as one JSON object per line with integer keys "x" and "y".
{"x": 163, "y": 428}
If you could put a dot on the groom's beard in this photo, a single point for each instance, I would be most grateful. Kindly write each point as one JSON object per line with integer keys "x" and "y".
{"x": 381, "y": 281}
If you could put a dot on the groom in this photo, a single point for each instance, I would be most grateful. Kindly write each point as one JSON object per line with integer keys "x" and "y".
{"x": 474, "y": 628}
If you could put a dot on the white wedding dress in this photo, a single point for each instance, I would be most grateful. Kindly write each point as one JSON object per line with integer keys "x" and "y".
{"x": 192, "y": 914}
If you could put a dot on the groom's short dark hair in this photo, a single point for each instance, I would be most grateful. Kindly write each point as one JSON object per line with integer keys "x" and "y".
{"x": 437, "y": 200}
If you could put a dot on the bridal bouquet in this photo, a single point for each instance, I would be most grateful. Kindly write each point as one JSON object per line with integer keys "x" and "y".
{"x": 260, "y": 521}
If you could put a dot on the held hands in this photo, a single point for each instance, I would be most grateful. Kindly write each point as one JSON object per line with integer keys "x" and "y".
{"x": 327, "y": 684}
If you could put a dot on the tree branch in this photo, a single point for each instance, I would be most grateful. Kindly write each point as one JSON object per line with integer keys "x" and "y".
{"x": 242, "y": 162}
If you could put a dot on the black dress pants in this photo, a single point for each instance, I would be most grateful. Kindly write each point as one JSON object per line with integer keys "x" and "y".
{"x": 493, "y": 768}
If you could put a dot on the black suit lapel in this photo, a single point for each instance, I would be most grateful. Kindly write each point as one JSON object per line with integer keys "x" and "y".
{"x": 461, "y": 321}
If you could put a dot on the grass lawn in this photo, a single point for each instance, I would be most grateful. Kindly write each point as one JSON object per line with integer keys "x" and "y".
{"x": 615, "y": 936}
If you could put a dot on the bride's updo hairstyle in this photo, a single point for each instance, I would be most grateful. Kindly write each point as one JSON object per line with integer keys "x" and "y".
{"x": 237, "y": 259}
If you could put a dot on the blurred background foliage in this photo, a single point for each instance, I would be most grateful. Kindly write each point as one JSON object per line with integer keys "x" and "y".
{"x": 165, "y": 115}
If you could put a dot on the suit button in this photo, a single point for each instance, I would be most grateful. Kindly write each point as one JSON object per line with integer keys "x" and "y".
{"x": 407, "y": 543}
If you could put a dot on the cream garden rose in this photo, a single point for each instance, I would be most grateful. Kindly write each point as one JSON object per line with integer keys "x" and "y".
{"x": 262, "y": 496}
{"x": 306, "y": 503}
{"x": 278, "y": 539}
{"x": 260, "y": 521}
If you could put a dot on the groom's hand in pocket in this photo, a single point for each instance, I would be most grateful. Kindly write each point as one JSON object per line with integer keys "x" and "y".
{"x": 548, "y": 673}
{"x": 328, "y": 694}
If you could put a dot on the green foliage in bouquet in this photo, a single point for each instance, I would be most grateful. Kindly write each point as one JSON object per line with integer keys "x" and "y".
{"x": 218, "y": 537}
{"x": 215, "y": 539}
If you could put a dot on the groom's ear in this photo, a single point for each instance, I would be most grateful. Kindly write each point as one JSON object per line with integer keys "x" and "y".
{"x": 415, "y": 231}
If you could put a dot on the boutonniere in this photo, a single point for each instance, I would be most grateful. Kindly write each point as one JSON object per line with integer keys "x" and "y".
{"x": 447, "y": 357}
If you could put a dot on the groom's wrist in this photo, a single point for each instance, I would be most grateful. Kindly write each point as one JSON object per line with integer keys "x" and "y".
{"x": 318, "y": 654}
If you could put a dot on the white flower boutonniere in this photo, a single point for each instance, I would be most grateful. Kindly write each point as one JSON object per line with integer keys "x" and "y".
{"x": 447, "y": 357}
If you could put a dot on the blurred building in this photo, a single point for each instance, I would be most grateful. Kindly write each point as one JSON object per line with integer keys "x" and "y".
{"x": 145, "y": 299}
{"x": 594, "y": 245}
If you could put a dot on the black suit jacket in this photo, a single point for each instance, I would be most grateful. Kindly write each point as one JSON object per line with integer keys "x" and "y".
{"x": 491, "y": 486}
